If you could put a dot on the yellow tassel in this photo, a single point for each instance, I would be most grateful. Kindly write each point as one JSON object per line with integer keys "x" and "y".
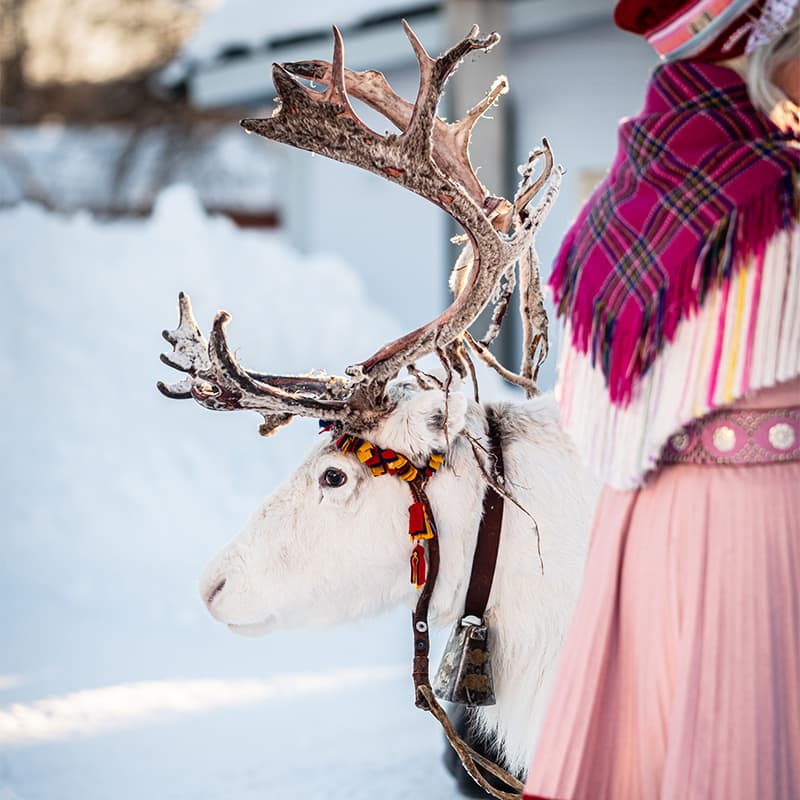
{"x": 364, "y": 452}
{"x": 410, "y": 474}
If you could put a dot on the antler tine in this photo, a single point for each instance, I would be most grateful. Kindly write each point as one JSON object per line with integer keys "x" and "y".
{"x": 337, "y": 91}
{"x": 190, "y": 351}
{"x": 527, "y": 190}
{"x": 534, "y": 318}
{"x": 499, "y": 87}
{"x": 461, "y": 131}
{"x": 421, "y": 123}
{"x": 486, "y": 356}
{"x": 217, "y": 380}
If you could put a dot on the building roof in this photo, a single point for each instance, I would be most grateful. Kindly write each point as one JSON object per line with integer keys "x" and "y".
{"x": 251, "y": 24}
{"x": 105, "y": 170}
{"x": 228, "y": 60}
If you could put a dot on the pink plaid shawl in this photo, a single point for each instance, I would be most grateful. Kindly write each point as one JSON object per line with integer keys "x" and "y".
{"x": 701, "y": 182}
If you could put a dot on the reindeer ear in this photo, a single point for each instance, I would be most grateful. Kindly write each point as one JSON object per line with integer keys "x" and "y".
{"x": 417, "y": 426}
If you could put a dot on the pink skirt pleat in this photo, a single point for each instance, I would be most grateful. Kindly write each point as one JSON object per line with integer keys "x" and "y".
{"x": 680, "y": 676}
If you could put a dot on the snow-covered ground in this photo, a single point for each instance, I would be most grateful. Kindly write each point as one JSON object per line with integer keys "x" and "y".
{"x": 114, "y": 682}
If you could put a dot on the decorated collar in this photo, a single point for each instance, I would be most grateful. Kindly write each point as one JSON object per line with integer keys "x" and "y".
{"x": 383, "y": 461}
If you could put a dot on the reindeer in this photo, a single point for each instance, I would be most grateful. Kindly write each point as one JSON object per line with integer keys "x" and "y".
{"x": 331, "y": 544}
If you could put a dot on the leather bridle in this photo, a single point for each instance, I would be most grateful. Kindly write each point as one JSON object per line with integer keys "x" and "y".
{"x": 477, "y": 598}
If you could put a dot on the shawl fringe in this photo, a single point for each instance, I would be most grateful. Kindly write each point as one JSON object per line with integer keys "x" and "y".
{"x": 744, "y": 337}
{"x": 626, "y": 356}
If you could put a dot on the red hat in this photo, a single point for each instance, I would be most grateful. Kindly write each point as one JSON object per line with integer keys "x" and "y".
{"x": 705, "y": 29}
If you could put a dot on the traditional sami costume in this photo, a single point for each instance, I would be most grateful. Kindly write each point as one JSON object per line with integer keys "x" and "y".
{"x": 679, "y": 285}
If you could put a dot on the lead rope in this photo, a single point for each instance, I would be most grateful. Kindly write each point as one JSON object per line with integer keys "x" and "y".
{"x": 471, "y": 759}
{"x": 380, "y": 462}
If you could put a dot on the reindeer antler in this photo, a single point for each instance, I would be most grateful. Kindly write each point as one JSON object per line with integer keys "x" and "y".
{"x": 430, "y": 157}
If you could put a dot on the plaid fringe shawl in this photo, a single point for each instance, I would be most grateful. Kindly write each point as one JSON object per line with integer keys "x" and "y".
{"x": 701, "y": 182}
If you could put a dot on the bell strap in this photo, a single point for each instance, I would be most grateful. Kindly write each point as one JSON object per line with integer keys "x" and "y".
{"x": 485, "y": 559}
{"x": 480, "y": 586}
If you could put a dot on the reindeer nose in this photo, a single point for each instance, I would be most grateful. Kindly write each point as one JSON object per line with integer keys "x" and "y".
{"x": 214, "y": 591}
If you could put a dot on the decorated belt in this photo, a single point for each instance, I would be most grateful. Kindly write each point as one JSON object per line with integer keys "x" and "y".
{"x": 737, "y": 436}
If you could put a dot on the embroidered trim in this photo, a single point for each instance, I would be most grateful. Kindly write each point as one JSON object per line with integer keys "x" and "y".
{"x": 689, "y": 32}
{"x": 740, "y": 437}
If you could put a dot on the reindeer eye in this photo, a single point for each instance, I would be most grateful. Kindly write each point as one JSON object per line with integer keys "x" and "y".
{"x": 333, "y": 477}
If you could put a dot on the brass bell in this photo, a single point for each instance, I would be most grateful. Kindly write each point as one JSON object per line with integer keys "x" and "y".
{"x": 465, "y": 672}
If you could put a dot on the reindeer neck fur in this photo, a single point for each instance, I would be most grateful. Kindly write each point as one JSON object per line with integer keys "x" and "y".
{"x": 529, "y": 607}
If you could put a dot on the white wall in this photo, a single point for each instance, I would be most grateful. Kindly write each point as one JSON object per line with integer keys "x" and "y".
{"x": 574, "y": 89}
{"x": 395, "y": 240}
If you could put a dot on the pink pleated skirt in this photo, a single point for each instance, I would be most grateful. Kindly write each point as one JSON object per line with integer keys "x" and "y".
{"x": 680, "y": 676}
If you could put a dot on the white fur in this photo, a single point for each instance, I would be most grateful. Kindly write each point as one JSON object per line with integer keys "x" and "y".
{"x": 284, "y": 570}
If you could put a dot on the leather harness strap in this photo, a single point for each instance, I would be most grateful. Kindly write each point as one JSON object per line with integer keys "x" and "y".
{"x": 488, "y": 543}
{"x": 484, "y": 560}
{"x": 480, "y": 586}
{"x": 419, "y": 617}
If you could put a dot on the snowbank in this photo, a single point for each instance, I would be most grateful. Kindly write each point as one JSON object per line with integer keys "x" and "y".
{"x": 115, "y": 499}
{"x": 102, "y": 465}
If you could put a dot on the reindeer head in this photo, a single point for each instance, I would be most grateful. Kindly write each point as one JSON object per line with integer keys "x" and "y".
{"x": 332, "y": 544}
{"x": 331, "y": 508}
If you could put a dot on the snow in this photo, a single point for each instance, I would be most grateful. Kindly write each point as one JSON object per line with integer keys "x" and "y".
{"x": 92, "y": 711}
{"x": 114, "y": 681}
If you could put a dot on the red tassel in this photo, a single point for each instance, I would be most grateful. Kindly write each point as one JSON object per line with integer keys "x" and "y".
{"x": 419, "y": 523}
{"x": 418, "y": 567}
{"x": 416, "y": 520}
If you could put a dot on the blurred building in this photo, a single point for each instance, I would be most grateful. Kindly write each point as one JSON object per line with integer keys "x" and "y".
{"x": 86, "y": 124}
{"x": 107, "y": 133}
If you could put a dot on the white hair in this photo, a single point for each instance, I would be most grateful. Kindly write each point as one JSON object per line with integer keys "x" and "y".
{"x": 762, "y": 62}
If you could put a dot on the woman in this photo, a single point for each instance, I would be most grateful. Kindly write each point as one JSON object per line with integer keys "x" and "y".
{"x": 679, "y": 284}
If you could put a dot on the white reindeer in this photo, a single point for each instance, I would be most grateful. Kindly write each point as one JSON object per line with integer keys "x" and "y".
{"x": 284, "y": 569}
